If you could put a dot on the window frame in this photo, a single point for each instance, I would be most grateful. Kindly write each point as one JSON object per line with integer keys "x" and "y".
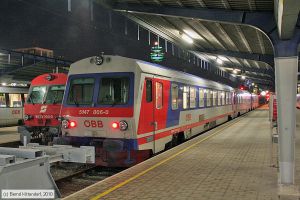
{"x": 201, "y": 104}
{"x": 156, "y": 96}
{"x": 194, "y": 105}
{"x": 177, "y": 96}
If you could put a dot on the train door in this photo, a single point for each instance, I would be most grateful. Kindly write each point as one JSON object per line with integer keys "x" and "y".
{"x": 154, "y": 107}
{"x": 234, "y": 103}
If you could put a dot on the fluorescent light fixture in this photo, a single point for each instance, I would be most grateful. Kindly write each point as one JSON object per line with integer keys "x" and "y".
{"x": 219, "y": 61}
{"x": 223, "y": 58}
{"x": 187, "y": 38}
{"x": 192, "y": 34}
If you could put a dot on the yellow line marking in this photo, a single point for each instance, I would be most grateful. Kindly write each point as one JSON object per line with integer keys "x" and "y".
{"x": 158, "y": 164}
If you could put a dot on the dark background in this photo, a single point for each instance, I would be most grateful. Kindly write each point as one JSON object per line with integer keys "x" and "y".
{"x": 84, "y": 32}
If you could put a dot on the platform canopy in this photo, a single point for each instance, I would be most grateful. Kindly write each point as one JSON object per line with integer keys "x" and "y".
{"x": 18, "y": 67}
{"x": 216, "y": 30}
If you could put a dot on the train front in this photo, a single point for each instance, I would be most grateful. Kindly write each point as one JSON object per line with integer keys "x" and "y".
{"x": 42, "y": 107}
{"x": 98, "y": 110}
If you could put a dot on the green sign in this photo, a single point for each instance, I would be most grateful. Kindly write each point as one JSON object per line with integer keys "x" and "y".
{"x": 156, "y": 55}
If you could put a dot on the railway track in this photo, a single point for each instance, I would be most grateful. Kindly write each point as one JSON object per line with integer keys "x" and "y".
{"x": 70, "y": 179}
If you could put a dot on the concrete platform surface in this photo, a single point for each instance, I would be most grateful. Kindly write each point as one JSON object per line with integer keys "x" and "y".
{"x": 9, "y": 134}
{"x": 233, "y": 161}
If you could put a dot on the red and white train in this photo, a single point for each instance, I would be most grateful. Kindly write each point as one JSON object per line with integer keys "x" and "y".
{"x": 130, "y": 109}
{"x": 42, "y": 107}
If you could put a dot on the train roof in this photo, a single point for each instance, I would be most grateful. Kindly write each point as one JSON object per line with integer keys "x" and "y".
{"x": 113, "y": 63}
{"x": 50, "y": 79}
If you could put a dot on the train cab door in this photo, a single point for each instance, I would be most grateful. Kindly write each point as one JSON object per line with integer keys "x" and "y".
{"x": 154, "y": 107}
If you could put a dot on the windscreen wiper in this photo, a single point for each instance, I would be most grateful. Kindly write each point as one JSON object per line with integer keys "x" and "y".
{"x": 30, "y": 97}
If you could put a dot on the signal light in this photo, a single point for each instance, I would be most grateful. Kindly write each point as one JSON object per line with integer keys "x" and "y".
{"x": 114, "y": 125}
{"x": 242, "y": 88}
{"x": 72, "y": 124}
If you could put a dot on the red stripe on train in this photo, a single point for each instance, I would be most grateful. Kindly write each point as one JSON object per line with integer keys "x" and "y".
{"x": 97, "y": 112}
{"x": 158, "y": 136}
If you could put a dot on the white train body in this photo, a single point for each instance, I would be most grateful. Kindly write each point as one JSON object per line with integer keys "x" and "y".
{"x": 130, "y": 109}
{"x": 11, "y": 105}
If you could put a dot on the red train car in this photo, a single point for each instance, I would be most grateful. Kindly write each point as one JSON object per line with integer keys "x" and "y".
{"x": 42, "y": 107}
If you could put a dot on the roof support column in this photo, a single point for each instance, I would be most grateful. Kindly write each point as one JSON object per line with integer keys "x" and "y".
{"x": 286, "y": 69}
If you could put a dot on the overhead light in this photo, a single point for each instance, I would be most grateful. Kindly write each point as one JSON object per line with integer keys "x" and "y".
{"x": 243, "y": 77}
{"x": 235, "y": 71}
{"x": 223, "y": 58}
{"x": 3, "y": 84}
{"x": 187, "y": 38}
{"x": 192, "y": 34}
{"x": 219, "y": 61}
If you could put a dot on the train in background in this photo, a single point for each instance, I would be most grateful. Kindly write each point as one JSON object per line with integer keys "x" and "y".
{"x": 11, "y": 105}
{"x": 42, "y": 107}
{"x": 130, "y": 109}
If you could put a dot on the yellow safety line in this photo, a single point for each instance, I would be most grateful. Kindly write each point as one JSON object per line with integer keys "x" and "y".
{"x": 157, "y": 164}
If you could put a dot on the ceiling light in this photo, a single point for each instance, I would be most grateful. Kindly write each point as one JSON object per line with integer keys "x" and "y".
{"x": 187, "y": 38}
{"x": 192, "y": 34}
{"x": 223, "y": 58}
{"x": 263, "y": 93}
{"x": 219, "y": 61}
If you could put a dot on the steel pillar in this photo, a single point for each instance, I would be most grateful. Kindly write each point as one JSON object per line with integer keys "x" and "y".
{"x": 286, "y": 69}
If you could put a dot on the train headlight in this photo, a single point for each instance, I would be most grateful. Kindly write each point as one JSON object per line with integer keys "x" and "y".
{"x": 123, "y": 125}
{"x": 28, "y": 117}
{"x": 65, "y": 124}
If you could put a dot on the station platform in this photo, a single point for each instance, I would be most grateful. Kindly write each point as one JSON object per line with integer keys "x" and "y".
{"x": 9, "y": 134}
{"x": 236, "y": 160}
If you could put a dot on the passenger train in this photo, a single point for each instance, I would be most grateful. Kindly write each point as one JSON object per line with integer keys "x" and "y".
{"x": 42, "y": 107}
{"x": 11, "y": 105}
{"x": 130, "y": 109}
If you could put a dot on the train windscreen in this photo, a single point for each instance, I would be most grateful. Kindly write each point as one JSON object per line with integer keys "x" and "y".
{"x": 81, "y": 91}
{"x": 113, "y": 91}
{"x": 36, "y": 95}
{"x": 55, "y": 94}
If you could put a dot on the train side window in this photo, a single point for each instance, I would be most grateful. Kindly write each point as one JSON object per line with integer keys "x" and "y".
{"x": 2, "y": 100}
{"x": 219, "y": 98}
{"x": 192, "y": 97}
{"x": 185, "y": 97}
{"x": 148, "y": 90}
{"x": 15, "y": 100}
{"x": 174, "y": 96}
{"x": 214, "y": 98}
{"x": 201, "y": 97}
{"x": 223, "y": 98}
{"x": 159, "y": 95}
{"x": 209, "y": 98}
{"x": 227, "y": 98}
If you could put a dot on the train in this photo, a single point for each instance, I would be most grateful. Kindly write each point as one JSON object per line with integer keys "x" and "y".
{"x": 42, "y": 108}
{"x": 11, "y": 105}
{"x": 131, "y": 109}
